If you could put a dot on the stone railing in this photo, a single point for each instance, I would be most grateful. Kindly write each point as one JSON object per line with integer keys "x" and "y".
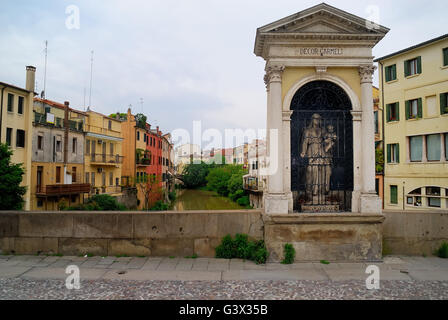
{"x": 131, "y": 233}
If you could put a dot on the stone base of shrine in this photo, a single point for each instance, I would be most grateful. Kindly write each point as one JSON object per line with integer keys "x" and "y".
{"x": 332, "y": 237}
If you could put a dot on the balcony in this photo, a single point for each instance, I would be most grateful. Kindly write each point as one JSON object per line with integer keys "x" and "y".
{"x": 252, "y": 184}
{"x": 145, "y": 162}
{"x": 62, "y": 189}
{"x": 106, "y": 159}
{"x": 106, "y": 190}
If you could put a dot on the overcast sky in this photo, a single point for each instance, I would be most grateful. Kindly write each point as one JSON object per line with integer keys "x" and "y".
{"x": 188, "y": 59}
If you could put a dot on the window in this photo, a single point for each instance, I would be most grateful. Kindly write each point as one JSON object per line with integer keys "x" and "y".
{"x": 111, "y": 178}
{"x": 393, "y": 153}
{"x": 413, "y": 66}
{"x": 110, "y": 125}
{"x": 58, "y": 174}
{"x": 111, "y": 148}
{"x": 393, "y": 112}
{"x": 391, "y": 73}
{"x": 444, "y": 103}
{"x": 414, "y": 109}
{"x": 375, "y": 114}
{"x": 74, "y": 145}
{"x": 416, "y": 148}
{"x": 20, "y": 107}
{"x": 10, "y": 102}
{"x": 117, "y": 182}
{"x": 446, "y": 147}
{"x": 87, "y": 146}
{"x": 58, "y": 146}
{"x": 73, "y": 174}
{"x": 87, "y": 177}
{"x": 393, "y": 194}
{"x": 138, "y": 135}
{"x": 40, "y": 142}
{"x": 20, "y": 139}
{"x": 93, "y": 178}
{"x": 445, "y": 57}
{"x": 8, "y": 136}
{"x": 433, "y": 191}
{"x": 433, "y": 145}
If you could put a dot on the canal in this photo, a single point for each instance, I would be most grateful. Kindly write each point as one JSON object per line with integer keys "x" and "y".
{"x": 202, "y": 200}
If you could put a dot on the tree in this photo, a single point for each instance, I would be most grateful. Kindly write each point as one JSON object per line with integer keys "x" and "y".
{"x": 150, "y": 187}
{"x": 140, "y": 120}
{"x": 194, "y": 175}
{"x": 10, "y": 179}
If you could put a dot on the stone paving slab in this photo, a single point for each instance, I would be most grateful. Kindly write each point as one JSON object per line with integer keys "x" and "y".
{"x": 274, "y": 275}
{"x": 12, "y": 272}
{"x": 136, "y": 263}
{"x": 143, "y": 275}
{"x": 434, "y": 275}
{"x": 59, "y": 274}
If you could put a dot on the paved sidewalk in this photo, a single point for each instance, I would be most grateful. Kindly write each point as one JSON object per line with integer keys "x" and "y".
{"x": 37, "y": 277}
{"x": 183, "y": 269}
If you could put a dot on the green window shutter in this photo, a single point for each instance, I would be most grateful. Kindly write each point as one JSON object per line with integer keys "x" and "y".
{"x": 394, "y": 72}
{"x": 408, "y": 109}
{"x": 393, "y": 194}
{"x": 388, "y": 112}
{"x": 397, "y": 155}
{"x": 443, "y": 103}
{"x": 387, "y": 74}
{"x": 445, "y": 57}
{"x": 398, "y": 110}
{"x": 420, "y": 108}
{"x": 419, "y": 65}
{"x": 388, "y": 153}
{"x": 407, "y": 70}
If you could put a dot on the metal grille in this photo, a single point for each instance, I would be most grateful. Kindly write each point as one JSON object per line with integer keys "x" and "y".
{"x": 331, "y": 185}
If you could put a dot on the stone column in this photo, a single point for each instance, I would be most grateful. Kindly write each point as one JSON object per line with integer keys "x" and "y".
{"x": 357, "y": 160}
{"x": 287, "y": 158}
{"x": 275, "y": 199}
{"x": 370, "y": 202}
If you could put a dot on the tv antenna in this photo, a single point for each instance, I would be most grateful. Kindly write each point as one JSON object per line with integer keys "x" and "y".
{"x": 45, "y": 71}
{"x": 141, "y": 103}
{"x": 91, "y": 76}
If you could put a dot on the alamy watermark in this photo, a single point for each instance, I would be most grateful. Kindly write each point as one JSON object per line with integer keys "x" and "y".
{"x": 373, "y": 280}
{"x": 73, "y": 20}
{"x": 73, "y": 280}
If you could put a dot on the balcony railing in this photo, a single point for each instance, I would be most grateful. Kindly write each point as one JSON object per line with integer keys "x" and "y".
{"x": 252, "y": 184}
{"x": 143, "y": 162}
{"x": 62, "y": 189}
{"x": 105, "y": 190}
{"x": 106, "y": 159}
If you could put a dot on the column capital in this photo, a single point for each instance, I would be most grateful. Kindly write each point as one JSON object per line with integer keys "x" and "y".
{"x": 273, "y": 74}
{"x": 357, "y": 115}
{"x": 286, "y": 115}
{"x": 366, "y": 73}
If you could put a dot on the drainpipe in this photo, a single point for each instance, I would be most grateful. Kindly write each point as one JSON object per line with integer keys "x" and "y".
{"x": 1, "y": 114}
{"x": 66, "y": 129}
{"x": 382, "y": 125}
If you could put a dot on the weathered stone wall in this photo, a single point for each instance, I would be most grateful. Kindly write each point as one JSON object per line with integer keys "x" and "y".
{"x": 130, "y": 233}
{"x": 414, "y": 232}
{"x": 333, "y": 237}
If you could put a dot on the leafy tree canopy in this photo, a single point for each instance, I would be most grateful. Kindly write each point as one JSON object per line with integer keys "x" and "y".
{"x": 10, "y": 179}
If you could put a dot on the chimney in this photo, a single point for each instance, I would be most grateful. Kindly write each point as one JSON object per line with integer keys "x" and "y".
{"x": 30, "y": 78}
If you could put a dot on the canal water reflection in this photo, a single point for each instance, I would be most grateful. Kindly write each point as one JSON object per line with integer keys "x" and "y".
{"x": 202, "y": 200}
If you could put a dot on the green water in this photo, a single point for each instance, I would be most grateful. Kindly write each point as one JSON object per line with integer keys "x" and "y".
{"x": 202, "y": 200}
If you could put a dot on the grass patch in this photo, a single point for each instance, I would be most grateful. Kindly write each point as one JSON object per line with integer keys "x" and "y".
{"x": 194, "y": 256}
{"x": 172, "y": 257}
{"x": 242, "y": 248}
{"x": 324, "y": 262}
{"x": 442, "y": 252}
{"x": 121, "y": 256}
{"x": 290, "y": 254}
{"x": 141, "y": 256}
{"x": 55, "y": 255}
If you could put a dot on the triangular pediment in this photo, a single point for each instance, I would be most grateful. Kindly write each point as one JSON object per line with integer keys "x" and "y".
{"x": 320, "y": 20}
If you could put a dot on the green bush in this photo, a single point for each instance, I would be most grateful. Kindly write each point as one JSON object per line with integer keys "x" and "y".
{"x": 99, "y": 202}
{"x": 159, "y": 206}
{"x": 442, "y": 252}
{"x": 243, "y": 201}
{"x": 290, "y": 254}
{"x": 172, "y": 195}
{"x": 237, "y": 195}
{"x": 242, "y": 248}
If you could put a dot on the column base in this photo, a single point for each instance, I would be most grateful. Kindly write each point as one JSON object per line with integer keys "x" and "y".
{"x": 278, "y": 203}
{"x": 370, "y": 203}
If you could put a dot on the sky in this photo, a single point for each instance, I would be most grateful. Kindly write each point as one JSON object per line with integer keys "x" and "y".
{"x": 187, "y": 60}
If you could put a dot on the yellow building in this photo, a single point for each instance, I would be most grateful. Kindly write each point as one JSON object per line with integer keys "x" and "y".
{"x": 379, "y": 147}
{"x": 414, "y": 93}
{"x": 57, "y": 156}
{"x": 16, "y": 114}
{"x": 103, "y": 154}
{"x": 137, "y": 158}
